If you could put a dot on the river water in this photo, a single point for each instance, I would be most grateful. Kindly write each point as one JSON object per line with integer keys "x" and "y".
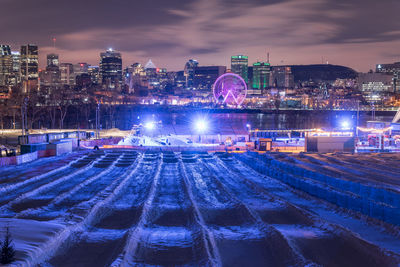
{"x": 257, "y": 120}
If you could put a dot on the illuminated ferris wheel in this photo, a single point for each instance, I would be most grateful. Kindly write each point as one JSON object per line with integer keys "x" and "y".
{"x": 230, "y": 89}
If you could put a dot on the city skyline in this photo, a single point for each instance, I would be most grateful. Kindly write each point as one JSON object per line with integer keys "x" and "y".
{"x": 354, "y": 34}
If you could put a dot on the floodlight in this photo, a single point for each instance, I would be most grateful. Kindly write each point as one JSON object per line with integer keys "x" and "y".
{"x": 201, "y": 126}
{"x": 345, "y": 124}
{"x": 149, "y": 125}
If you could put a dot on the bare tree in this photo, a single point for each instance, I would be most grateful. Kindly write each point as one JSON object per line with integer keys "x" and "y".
{"x": 35, "y": 106}
{"x": 51, "y": 108}
{"x": 3, "y": 113}
{"x": 110, "y": 103}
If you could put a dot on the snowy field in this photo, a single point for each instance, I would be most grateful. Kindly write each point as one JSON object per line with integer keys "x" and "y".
{"x": 161, "y": 141}
{"x": 123, "y": 208}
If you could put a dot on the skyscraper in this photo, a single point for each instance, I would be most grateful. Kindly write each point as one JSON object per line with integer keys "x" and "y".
{"x": 190, "y": 67}
{"x": 29, "y": 66}
{"x": 51, "y": 76}
{"x": 150, "y": 69}
{"x": 67, "y": 74}
{"x": 81, "y": 68}
{"x": 5, "y": 64}
{"x": 15, "y": 77}
{"x": 94, "y": 74}
{"x": 261, "y": 75}
{"x": 16, "y": 58}
{"x": 282, "y": 77}
{"x": 111, "y": 69}
{"x": 205, "y": 76}
{"x": 393, "y": 69}
{"x": 239, "y": 65}
{"x": 52, "y": 60}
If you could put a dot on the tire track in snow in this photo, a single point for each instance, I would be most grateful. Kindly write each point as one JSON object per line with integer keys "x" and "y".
{"x": 38, "y": 183}
{"x": 105, "y": 237}
{"x": 168, "y": 214}
{"x": 88, "y": 179}
{"x": 126, "y": 258}
{"x": 87, "y": 214}
{"x": 13, "y": 174}
{"x": 270, "y": 232}
{"x": 341, "y": 238}
{"x": 208, "y": 236}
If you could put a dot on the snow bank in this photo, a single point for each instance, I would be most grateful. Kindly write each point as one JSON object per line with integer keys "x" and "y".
{"x": 28, "y": 236}
{"x": 372, "y": 201}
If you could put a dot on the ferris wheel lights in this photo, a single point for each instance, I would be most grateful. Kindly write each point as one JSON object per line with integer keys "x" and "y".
{"x": 230, "y": 89}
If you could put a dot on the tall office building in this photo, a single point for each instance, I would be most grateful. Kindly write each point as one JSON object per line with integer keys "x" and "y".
{"x": 136, "y": 75}
{"x": 81, "y": 68}
{"x": 150, "y": 69}
{"x": 51, "y": 76}
{"x": 205, "y": 76}
{"x": 282, "y": 77}
{"x": 162, "y": 76}
{"x": 29, "y": 67}
{"x": 393, "y": 69}
{"x": 374, "y": 86}
{"x": 52, "y": 60}
{"x": 388, "y": 68}
{"x": 239, "y": 65}
{"x": 261, "y": 75}
{"x": 94, "y": 74}
{"x": 67, "y": 74}
{"x": 15, "y": 77}
{"x": 16, "y": 58}
{"x": 138, "y": 69}
{"x": 190, "y": 67}
{"x": 5, "y": 64}
{"x": 111, "y": 69}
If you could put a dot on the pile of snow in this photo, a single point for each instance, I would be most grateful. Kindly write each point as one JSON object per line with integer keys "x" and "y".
{"x": 28, "y": 235}
{"x": 169, "y": 140}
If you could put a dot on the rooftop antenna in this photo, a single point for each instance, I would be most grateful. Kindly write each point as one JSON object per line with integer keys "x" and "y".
{"x": 267, "y": 57}
{"x": 54, "y": 42}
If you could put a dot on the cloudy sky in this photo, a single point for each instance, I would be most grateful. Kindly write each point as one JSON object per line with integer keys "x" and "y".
{"x": 355, "y": 33}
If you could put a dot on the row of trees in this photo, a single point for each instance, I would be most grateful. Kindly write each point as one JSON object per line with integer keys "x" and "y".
{"x": 49, "y": 108}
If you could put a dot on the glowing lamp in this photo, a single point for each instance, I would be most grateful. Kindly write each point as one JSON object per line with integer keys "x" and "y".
{"x": 345, "y": 125}
{"x": 149, "y": 125}
{"x": 201, "y": 126}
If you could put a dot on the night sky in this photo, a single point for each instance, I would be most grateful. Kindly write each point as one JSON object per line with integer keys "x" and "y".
{"x": 355, "y": 33}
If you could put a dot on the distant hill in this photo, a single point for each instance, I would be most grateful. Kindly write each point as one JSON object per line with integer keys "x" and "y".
{"x": 322, "y": 72}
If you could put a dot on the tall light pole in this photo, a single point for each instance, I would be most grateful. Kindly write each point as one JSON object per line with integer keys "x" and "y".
{"x": 24, "y": 117}
{"x": 248, "y": 126}
{"x": 98, "y": 120}
{"x": 201, "y": 126}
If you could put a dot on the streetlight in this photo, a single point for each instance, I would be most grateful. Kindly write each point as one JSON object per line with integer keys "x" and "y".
{"x": 149, "y": 125}
{"x": 248, "y": 126}
{"x": 345, "y": 125}
{"x": 98, "y": 120}
{"x": 201, "y": 126}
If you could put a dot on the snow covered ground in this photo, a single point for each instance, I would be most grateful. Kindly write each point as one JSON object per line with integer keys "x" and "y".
{"x": 160, "y": 141}
{"x": 123, "y": 208}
